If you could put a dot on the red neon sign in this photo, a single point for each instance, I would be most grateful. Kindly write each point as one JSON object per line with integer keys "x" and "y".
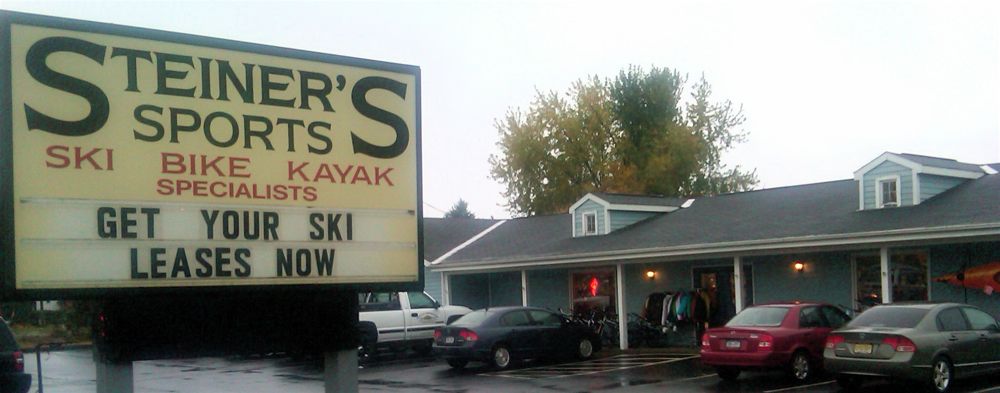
{"x": 594, "y": 283}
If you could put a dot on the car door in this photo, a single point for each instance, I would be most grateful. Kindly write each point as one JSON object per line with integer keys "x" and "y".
{"x": 422, "y": 317}
{"x": 960, "y": 340}
{"x": 551, "y": 337}
{"x": 988, "y": 333}
{"x": 385, "y": 311}
{"x": 519, "y": 334}
{"x": 813, "y": 330}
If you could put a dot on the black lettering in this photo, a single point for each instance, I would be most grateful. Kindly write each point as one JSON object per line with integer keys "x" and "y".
{"x": 267, "y": 85}
{"x": 233, "y": 127}
{"x": 270, "y": 226}
{"x": 129, "y": 223}
{"x": 360, "y": 101}
{"x": 241, "y": 258}
{"x": 38, "y": 69}
{"x": 181, "y": 264}
{"x": 291, "y": 130}
{"x": 284, "y": 264}
{"x": 320, "y": 93}
{"x": 226, "y": 75}
{"x": 105, "y": 229}
{"x": 202, "y": 255}
{"x": 175, "y": 126}
{"x": 303, "y": 263}
{"x": 206, "y": 78}
{"x": 135, "y": 265}
{"x": 317, "y": 232}
{"x": 251, "y": 228}
{"x": 230, "y": 225}
{"x": 263, "y": 134}
{"x": 132, "y": 56}
{"x": 156, "y": 262}
{"x": 138, "y": 113}
{"x": 327, "y": 142}
{"x": 221, "y": 261}
{"x": 324, "y": 262}
{"x": 210, "y": 222}
{"x": 150, "y": 212}
{"x": 163, "y": 74}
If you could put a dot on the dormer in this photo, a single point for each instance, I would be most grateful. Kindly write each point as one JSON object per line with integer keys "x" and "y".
{"x": 894, "y": 180}
{"x": 600, "y": 213}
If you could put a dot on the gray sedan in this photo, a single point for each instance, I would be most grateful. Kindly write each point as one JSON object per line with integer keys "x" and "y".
{"x": 928, "y": 343}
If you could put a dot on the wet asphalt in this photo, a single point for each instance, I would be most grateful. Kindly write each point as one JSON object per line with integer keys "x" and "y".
{"x": 73, "y": 371}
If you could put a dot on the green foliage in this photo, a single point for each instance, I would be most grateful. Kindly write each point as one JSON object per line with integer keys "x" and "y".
{"x": 459, "y": 210}
{"x": 633, "y": 134}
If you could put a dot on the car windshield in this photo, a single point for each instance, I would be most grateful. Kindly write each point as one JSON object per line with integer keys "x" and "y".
{"x": 759, "y": 316}
{"x": 891, "y": 317}
{"x": 473, "y": 318}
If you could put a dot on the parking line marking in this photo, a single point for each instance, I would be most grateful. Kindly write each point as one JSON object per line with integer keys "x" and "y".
{"x": 587, "y": 367}
{"x": 799, "y": 387}
{"x": 692, "y": 378}
{"x": 993, "y": 389}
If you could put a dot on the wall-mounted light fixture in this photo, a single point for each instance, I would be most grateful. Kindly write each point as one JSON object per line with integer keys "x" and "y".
{"x": 650, "y": 274}
{"x": 798, "y": 266}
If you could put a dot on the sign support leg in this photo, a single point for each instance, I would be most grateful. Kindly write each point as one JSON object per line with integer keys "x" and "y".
{"x": 340, "y": 371}
{"x": 113, "y": 377}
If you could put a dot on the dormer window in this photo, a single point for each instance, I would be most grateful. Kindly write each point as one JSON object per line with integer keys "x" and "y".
{"x": 888, "y": 192}
{"x": 590, "y": 223}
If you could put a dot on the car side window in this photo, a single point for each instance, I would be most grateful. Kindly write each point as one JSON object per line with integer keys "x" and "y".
{"x": 980, "y": 320}
{"x": 810, "y": 317}
{"x": 951, "y": 320}
{"x": 420, "y": 300}
{"x": 545, "y": 318}
{"x": 379, "y": 301}
{"x": 515, "y": 318}
{"x": 835, "y": 317}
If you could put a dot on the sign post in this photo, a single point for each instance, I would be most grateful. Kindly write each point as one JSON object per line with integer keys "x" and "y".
{"x": 139, "y": 164}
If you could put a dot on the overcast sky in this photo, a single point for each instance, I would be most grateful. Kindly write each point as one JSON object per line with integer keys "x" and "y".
{"x": 826, "y": 85}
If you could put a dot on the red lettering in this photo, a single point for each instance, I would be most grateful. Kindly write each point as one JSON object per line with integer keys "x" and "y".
{"x": 343, "y": 175}
{"x": 88, "y": 157}
{"x": 213, "y": 164}
{"x": 236, "y": 164}
{"x": 323, "y": 172}
{"x": 53, "y": 151}
{"x": 361, "y": 175}
{"x": 381, "y": 176}
{"x": 292, "y": 171}
{"x": 172, "y": 163}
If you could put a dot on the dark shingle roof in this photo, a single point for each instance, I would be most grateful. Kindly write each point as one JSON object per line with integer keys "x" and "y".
{"x": 444, "y": 234}
{"x": 941, "y": 162}
{"x": 644, "y": 200}
{"x": 766, "y": 215}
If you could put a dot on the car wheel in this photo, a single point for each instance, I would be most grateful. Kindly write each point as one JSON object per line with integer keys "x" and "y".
{"x": 458, "y": 364}
{"x": 801, "y": 368}
{"x": 500, "y": 357}
{"x": 942, "y": 374}
{"x": 585, "y": 349}
{"x": 849, "y": 383}
{"x": 728, "y": 373}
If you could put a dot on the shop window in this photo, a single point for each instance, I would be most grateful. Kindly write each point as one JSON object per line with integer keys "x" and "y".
{"x": 908, "y": 269}
{"x": 593, "y": 291}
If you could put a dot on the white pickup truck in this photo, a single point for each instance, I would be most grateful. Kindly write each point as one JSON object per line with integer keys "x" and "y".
{"x": 401, "y": 320}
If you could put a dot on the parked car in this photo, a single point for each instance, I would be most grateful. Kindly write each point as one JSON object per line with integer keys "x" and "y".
{"x": 929, "y": 343}
{"x": 401, "y": 320}
{"x": 769, "y": 336}
{"x": 13, "y": 379}
{"x": 500, "y": 336}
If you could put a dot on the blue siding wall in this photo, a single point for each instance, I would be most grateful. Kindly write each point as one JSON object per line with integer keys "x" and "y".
{"x": 889, "y": 168}
{"x": 432, "y": 283}
{"x": 549, "y": 289}
{"x": 623, "y": 218}
{"x": 931, "y": 185}
{"x": 587, "y": 207}
{"x": 826, "y": 278}
{"x": 505, "y": 289}
{"x": 950, "y": 259}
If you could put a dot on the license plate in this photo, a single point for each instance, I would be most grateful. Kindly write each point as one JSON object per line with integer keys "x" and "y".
{"x": 733, "y": 344}
{"x": 449, "y": 340}
{"x": 863, "y": 348}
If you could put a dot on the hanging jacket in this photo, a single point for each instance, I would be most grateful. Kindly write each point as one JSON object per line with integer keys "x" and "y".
{"x": 665, "y": 312}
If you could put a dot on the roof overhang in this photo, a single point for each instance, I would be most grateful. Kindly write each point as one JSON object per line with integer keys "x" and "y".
{"x": 916, "y": 167}
{"x": 741, "y": 248}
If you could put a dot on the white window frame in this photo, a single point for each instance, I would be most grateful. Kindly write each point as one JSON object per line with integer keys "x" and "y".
{"x": 583, "y": 217}
{"x": 878, "y": 190}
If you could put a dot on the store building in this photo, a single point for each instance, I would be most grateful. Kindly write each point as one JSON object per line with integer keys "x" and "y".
{"x": 905, "y": 228}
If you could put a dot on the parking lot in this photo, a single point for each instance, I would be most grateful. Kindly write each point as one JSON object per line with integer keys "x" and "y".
{"x": 612, "y": 371}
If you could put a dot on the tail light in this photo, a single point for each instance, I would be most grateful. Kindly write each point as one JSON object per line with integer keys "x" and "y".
{"x": 900, "y": 344}
{"x": 18, "y": 361}
{"x": 468, "y": 335}
{"x": 705, "y": 345}
{"x": 437, "y": 334}
{"x": 832, "y": 340}
{"x": 765, "y": 343}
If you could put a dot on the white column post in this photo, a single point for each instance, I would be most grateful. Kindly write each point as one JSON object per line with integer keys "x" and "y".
{"x": 886, "y": 276}
{"x": 445, "y": 289}
{"x": 524, "y": 288}
{"x": 738, "y": 283}
{"x": 113, "y": 377}
{"x": 620, "y": 306}
{"x": 340, "y": 371}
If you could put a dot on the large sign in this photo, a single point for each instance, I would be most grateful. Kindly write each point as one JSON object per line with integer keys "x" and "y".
{"x": 135, "y": 159}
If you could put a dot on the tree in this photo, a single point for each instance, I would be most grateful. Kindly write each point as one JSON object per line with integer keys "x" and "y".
{"x": 459, "y": 210}
{"x": 633, "y": 134}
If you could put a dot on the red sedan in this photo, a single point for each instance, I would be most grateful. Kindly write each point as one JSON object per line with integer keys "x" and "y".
{"x": 769, "y": 336}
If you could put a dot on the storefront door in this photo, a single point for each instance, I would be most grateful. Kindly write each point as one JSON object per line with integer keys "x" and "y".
{"x": 719, "y": 283}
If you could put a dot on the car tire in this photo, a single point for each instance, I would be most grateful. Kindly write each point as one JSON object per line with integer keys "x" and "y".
{"x": 801, "y": 368}
{"x": 585, "y": 348}
{"x": 849, "y": 383}
{"x": 500, "y": 357}
{"x": 458, "y": 364}
{"x": 728, "y": 373}
{"x": 942, "y": 374}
